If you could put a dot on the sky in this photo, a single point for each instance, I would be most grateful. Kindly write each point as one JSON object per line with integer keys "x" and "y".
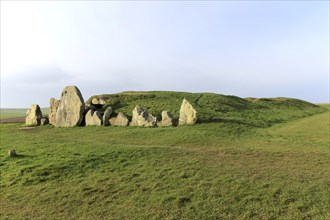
{"x": 241, "y": 48}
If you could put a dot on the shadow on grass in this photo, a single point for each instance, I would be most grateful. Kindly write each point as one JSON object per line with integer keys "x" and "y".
{"x": 234, "y": 121}
{"x": 19, "y": 156}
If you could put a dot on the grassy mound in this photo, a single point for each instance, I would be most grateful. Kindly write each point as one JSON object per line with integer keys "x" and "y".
{"x": 214, "y": 107}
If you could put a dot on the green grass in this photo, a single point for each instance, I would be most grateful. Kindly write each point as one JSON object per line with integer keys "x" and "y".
{"x": 17, "y": 112}
{"x": 222, "y": 170}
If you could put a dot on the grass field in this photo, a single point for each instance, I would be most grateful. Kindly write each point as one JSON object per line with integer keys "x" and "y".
{"x": 17, "y": 112}
{"x": 220, "y": 170}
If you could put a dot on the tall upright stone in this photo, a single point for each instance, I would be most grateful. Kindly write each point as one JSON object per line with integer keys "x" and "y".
{"x": 167, "y": 119}
{"x": 93, "y": 118}
{"x": 142, "y": 118}
{"x": 121, "y": 120}
{"x": 106, "y": 116}
{"x": 71, "y": 108}
{"x": 33, "y": 115}
{"x": 53, "y": 106}
{"x": 188, "y": 115}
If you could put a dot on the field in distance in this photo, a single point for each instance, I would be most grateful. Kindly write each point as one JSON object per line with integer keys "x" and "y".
{"x": 16, "y": 115}
{"x": 227, "y": 170}
{"x": 17, "y": 112}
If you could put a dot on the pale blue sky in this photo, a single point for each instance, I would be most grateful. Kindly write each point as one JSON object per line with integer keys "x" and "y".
{"x": 242, "y": 48}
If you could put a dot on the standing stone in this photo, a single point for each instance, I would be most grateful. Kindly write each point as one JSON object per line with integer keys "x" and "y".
{"x": 187, "y": 114}
{"x": 93, "y": 118}
{"x": 53, "y": 106}
{"x": 142, "y": 118}
{"x": 167, "y": 119}
{"x": 33, "y": 115}
{"x": 106, "y": 116}
{"x": 44, "y": 121}
{"x": 89, "y": 117}
{"x": 112, "y": 120}
{"x": 71, "y": 108}
{"x": 12, "y": 153}
{"x": 137, "y": 111}
{"x": 121, "y": 120}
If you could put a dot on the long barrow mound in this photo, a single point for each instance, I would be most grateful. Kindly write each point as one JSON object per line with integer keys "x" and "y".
{"x": 211, "y": 107}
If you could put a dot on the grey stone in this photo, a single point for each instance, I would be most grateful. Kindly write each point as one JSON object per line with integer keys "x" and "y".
{"x": 142, "y": 118}
{"x": 33, "y": 115}
{"x": 71, "y": 108}
{"x": 93, "y": 118}
{"x": 98, "y": 101}
{"x": 53, "y": 106}
{"x": 188, "y": 115}
{"x": 121, "y": 120}
{"x": 167, "y": 119}
{"x": 106, "y": 116}
{"x": 112, "y": 120}
{"x": 12, "y": 153}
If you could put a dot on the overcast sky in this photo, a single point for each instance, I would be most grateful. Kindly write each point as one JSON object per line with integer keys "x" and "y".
{"x": 247, "y": 49}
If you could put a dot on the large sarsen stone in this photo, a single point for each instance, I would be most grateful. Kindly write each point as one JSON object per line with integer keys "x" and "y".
{"x": 53, "y": 106}
{"x": 188, "y": 115}
{"x": 167, "y": 119}
{"x": 71, "y": 108}
{"x": 33, "y": 115}
{"x": 106, "y": 116}
{"x": 142, "y": 118}
{"x": 121, "y": 120}
{"x": 93, "y": 118}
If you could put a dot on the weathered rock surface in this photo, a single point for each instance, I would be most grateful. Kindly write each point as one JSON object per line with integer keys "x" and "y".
{"x": 71, "y": 108}
{"x": 121, "y": 120}
{"x": 167, "y": 119}
{"x": 53, "y": 105}
{"x": 44, "y": 121}
{"x": 98, "y": 101}
{"x": 89, "y": 108}
{"x": 106, "y": 116}
{"x": 188, "y": 115}
{"x": 142, "y": 118}
{"x": 93, "y": 118}
{"x": 112, "y": 120}
{"x": 33, "y": 115}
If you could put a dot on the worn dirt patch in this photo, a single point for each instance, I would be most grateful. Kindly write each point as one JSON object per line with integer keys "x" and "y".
{"x": 26, "y": 128}
{"x": 12, "y": 120}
